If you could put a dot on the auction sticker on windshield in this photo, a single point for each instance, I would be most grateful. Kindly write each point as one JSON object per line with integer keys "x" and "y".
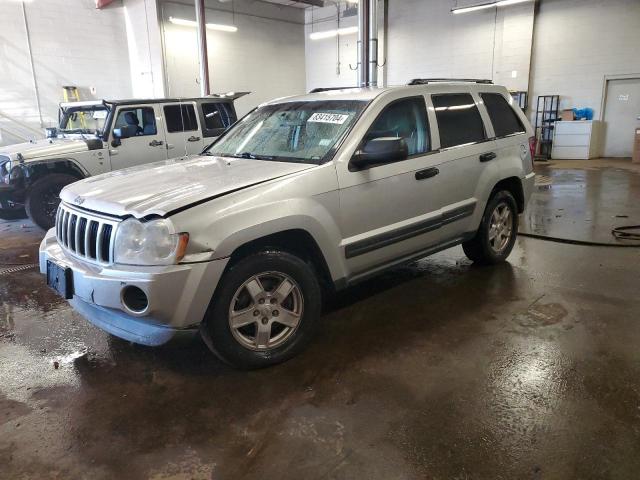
{"x": 320, "y": 117}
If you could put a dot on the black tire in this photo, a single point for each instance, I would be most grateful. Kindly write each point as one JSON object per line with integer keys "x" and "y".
{"x": 480, "y": 249}
{"x": 10, "y": 211}
{"x": 44, "y": 197}
{"x": 227, "y": 344}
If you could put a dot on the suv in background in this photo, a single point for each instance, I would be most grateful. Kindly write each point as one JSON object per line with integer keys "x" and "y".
{"x": 104, "y": 135}
{"x": 303, "y": 196}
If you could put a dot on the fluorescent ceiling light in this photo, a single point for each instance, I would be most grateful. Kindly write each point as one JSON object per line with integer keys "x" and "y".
{"x": 212, "y": 26}
{"x": 333, "y": 33}
{"x": 482, "y": 6}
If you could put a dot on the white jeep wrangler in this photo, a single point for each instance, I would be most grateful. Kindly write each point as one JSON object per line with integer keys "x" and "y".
{"x": 104, "y": 135}
{"x": 302, "y": 196}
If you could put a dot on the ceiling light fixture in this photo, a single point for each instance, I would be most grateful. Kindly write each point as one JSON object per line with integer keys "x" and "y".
{"x": 213, "y": 26}
{"x": 333, "y": 33}
{"x": 482, "y": 6}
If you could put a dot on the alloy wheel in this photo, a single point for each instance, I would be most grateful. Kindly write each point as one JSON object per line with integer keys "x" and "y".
{"x": 266, "y": 311}
{"x": 500, "y": 227}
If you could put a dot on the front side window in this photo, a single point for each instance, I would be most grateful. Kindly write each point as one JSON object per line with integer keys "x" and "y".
{"x": 403, "y": 119}
{"x": 305, "y": 132}
{"x": 180, "y": 118}
{"x": 142, "y": 119}
{"x": 504, "y": 119}
{"x": 459, "y": 120}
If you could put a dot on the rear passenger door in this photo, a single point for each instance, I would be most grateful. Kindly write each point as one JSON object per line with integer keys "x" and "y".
{"x": 183, "y": 132}
{"x": 466, "y": 148}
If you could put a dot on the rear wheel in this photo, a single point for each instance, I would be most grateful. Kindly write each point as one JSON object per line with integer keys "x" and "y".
{"x": 265, "y": 310}
{"x": 11, "y": 211}
{"x": 496, "y": 236}
{"x": 44, "y": 197}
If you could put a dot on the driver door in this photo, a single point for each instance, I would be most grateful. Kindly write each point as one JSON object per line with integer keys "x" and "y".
{"x": 392, "y": 210}
{"x": 148, "y": 143}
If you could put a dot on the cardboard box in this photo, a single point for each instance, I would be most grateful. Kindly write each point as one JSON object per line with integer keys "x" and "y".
{"x": 636, "y": 147}
{"x": 567, "y": 115}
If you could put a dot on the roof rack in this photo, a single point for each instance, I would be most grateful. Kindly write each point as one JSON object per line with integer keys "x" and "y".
{"x": 425, "y": 81}
{"x": 328, "y": 89}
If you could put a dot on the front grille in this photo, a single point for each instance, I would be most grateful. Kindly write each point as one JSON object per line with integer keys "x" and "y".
{"x": 86, "y": 235}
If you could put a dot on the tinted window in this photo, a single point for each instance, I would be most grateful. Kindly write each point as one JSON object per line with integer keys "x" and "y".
{"x": 213, "y": 116}
{"x": 143, "y": 118}
{"x": 504, "y": 119}
{"x": 405, "y": 119}
{"x": 180, "y": 118}
{"x": 458, "y": 118}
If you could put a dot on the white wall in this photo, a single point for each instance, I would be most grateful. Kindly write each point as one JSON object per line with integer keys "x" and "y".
{"x": 72, "y": 44}
{"x": 426, "y": 40}
{"x": 578, "y": 42}
{"x": 265, "y": 56}
{"x": 144, "y": 41}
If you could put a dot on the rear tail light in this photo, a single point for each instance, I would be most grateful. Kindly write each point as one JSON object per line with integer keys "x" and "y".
{"x": 532, "y": 147}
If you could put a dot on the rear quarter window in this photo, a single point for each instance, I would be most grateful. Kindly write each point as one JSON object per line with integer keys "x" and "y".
{"x": 459, "y": 120}
{"x": 505, "y": 121}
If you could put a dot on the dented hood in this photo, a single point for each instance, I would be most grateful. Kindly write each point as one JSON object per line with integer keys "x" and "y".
{"x": 164, "y": 187}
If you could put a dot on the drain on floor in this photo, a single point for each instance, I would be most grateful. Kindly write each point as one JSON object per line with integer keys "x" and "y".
{"x": 17, "y": 268}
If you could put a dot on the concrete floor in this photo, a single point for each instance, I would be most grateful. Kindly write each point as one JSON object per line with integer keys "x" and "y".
{"x": 438, "y": 370}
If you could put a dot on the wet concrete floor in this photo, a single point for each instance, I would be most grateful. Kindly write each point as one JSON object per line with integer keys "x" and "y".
{"x": 437, "y": 370}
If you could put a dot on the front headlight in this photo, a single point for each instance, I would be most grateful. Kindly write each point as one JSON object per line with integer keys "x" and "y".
{"x": 149, "y": 243}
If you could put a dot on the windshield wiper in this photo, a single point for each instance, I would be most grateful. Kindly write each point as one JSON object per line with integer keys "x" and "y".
{"x": 252, "y": 156}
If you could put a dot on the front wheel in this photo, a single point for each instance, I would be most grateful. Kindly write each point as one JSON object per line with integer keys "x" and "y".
{"x": 496, "y": 236}
{"x": 44, "y": 197}
{"x": 265, "y": 310}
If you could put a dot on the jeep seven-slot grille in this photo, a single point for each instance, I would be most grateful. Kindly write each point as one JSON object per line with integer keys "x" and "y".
{"x": 85, "y": 235}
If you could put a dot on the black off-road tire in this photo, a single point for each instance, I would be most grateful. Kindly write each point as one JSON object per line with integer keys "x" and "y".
{"x": 43, "y": 198}
{"x": 11, "y": 212}
{"x": 479, "y": 248}
{"x": 217, "y": 332}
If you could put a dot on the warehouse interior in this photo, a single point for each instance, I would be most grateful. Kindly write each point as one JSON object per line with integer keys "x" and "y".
{"x": 437, "y": 368}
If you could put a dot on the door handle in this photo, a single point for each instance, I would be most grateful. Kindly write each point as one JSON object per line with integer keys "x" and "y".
{"x": 193, "y": 139}
{"x": 156, "y": 143}
{"x": 427, "y": 173}
{"x": 485, "y": 157}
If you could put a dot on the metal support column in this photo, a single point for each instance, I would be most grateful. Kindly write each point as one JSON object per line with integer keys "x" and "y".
{"x": 202, "y": 48}
{"x": 372, "y": 21}
{"x": 363, "y": 43}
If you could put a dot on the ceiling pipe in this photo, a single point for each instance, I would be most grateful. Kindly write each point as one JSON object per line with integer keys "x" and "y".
{"x": 205, "y": 88}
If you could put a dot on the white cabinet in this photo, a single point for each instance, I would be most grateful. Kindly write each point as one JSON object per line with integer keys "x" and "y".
{"x": 579, "y": 139}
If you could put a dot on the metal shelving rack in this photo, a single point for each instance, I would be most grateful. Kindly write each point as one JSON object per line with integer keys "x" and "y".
{"x": 546, "y": 116}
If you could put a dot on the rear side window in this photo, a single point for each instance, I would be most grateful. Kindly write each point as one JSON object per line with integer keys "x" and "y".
{"x": 405, "y": 119}
{"x": 213, "y": 116}
{"x": 459, "y": 120}
{"x": 180, "y": 118}
{"x": 505, "y": 121}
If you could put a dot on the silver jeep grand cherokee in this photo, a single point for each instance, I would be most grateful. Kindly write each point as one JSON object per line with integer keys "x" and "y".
{"x": 303, "y": 196}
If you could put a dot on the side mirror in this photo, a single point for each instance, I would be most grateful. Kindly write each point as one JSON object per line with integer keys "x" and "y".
{"x": 380, "y": 150}
{"x": 125, "y": 131}
{"x": 51, "y": 132}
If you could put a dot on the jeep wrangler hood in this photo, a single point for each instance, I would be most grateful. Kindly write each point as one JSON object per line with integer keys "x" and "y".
{"x": 163, "y": 187}
{"x": 50, "y": 148}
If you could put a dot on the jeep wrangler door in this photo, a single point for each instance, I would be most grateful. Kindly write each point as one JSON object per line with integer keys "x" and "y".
{"x": 183, "y": 132}
{"x": 391, "y": 209}
{"x": 136, "y": 137}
